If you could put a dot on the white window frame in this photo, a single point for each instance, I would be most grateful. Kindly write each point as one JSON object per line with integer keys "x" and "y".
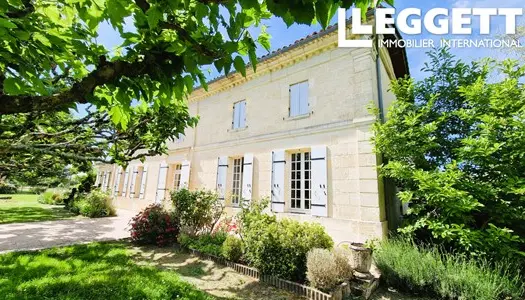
{"x": 300, "y": 191}
{"x": 237, "y": 178}
{"x": 177, "y": 173}
{"x": 299, "y": 103}
{"x": 239, "y": 115}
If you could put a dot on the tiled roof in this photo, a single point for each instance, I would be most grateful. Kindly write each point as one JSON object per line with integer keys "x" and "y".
{"x": 401, "y": 69}
{"x": 314, "y": 35}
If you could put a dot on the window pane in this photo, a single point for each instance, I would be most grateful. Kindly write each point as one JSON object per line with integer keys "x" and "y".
{"x": 237, "y": 181}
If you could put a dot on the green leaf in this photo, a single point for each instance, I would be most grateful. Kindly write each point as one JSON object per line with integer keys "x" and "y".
{"x": 323, "y": 10}
{"x": 264, "y": 39}
{"x": 116, "y": 114}
{"x": 7, "y": 24}
{"x": 201, "y": 11}
{"x": 52, "y": 13}
{"x": 188, "y": 81}
{"x": 116, "y": 12}
{"x": 37, "y": 36}
{"x": 13, "y": 86}
{"x": 154, "y": 15}
{"x": 203, "y": 81}
{"x": 253, "y": 59}
{"x": 239, "y": 65}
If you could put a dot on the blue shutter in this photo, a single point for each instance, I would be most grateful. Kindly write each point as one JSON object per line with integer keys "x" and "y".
{"x": 319, "y": 181}
{"x": 143, "y": 181}
{"x": 303, "y": 98}
{"x": 242, "y": 114}
{"x": 278, "y": 166}
{"x": 236, "y": 113}
{"x": 222, "y": 171}
{"x": 294, "y": 100}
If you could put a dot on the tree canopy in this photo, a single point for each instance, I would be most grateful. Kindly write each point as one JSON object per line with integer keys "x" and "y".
{"x": 454, "y": 144}
{"x": 51, "y": 61}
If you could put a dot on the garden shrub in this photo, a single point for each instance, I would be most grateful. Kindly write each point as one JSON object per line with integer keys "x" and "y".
{"x": 206, "y": 243}
{"x": 227, "y": 224}
{"x": 232, "y": 248}
{"x": 342, "y": 261}
{"x": 453, "y": 145}
{"x": 155, "y": 226}
{"x": 55, "y": 196}
{"x": 37, "y": 190}
{"x": 428, "y": 271}
{"x": 95, "y": 204}
{"x": 279, "y": 248}
{"x": 327, "y": 269}
{"x": 7, "y": 188}
{"x": 197, "y": 211}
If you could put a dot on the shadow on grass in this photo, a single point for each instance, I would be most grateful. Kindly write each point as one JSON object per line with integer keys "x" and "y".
{"x": 217, "y": 280}
{"x": 93, "y": 271}
{"x": 33, "y": 214}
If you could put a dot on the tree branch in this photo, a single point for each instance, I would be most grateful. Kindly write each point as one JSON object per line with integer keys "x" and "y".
{"x": 20, "y": 13}
{"x": 106, "y": 72}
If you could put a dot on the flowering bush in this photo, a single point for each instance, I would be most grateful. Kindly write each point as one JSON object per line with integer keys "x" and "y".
{"x": 154, "y": 225}
{"x": 228, "y": 225}
{"x": 198, "y": 211}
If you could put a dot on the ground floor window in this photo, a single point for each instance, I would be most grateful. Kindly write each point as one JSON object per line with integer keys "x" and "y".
{"x": 176, "y": 177}
{"x": 300, "y": 181}
{"x": 238, "y": 168}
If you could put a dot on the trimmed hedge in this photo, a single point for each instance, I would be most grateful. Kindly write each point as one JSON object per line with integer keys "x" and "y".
{"x": 279, "y": 248}
{"x": 207, "y": 243}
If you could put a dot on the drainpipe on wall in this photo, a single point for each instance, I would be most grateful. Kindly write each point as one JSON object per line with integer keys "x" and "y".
{"x": 378, "y": 74}
{"x": 391, "y": 216}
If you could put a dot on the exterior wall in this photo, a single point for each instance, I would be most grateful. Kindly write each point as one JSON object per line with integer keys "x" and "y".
{"x": 342, "y": 84}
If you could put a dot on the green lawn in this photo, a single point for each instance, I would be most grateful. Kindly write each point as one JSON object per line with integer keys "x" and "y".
{"x": 25, "y": 208}
{"x": 92, "y": 271}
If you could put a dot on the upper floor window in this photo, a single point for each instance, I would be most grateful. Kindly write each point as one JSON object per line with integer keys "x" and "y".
{"x": 299, "y": 99}
{"x": 239, "y": 115}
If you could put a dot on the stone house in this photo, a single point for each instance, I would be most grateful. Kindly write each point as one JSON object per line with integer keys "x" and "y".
{"x": 297, "y": 131}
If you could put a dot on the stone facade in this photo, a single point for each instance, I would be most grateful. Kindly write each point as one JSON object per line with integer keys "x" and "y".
{"x": 341, "y": 86}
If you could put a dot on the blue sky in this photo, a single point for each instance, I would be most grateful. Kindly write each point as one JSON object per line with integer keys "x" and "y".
{"x": 283, "y": 36}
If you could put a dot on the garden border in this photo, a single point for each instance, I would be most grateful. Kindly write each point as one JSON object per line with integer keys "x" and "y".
{"x": 301, "y": 290}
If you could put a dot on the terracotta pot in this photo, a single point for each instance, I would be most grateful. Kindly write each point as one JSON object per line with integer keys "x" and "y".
{"x": 361, "y": 260}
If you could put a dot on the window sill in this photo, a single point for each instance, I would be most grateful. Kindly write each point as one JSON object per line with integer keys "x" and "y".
{"x": 299, "y": 212}
{"x": 237, "y": 129}
{"x": 300, "y": 117}
{"x": 232, "y": 206}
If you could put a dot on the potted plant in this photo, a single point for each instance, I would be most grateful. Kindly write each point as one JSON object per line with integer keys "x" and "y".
{"x": 361, "y": 259}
